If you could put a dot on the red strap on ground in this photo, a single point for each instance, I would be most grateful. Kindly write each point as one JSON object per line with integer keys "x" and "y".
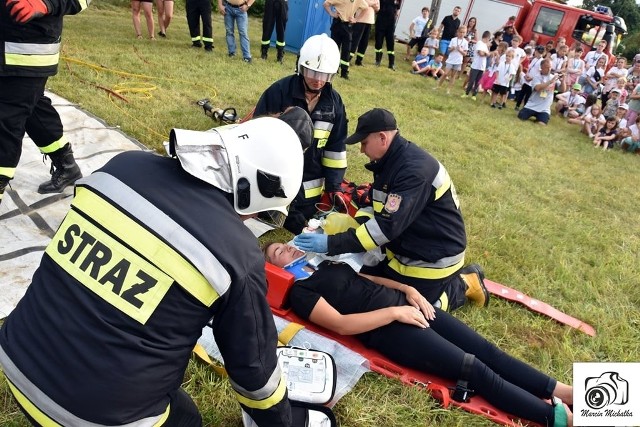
{"x": 281, "y": 281}
{"x": 538, "y": 306}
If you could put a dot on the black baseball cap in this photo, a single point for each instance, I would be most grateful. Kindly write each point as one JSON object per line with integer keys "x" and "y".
{"x": 540, "y": 48}
{"x": 376, "y": 120}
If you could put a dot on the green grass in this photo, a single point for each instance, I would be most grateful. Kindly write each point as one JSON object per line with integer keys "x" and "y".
{"x": 545, "y": 212}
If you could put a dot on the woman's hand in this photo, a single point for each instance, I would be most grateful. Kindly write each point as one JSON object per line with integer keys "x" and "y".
{"x": 416, "y": 300}
{"x": 410, "y": 315}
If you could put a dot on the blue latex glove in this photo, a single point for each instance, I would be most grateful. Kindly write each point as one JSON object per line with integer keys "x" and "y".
{"x": 312, "y": 242}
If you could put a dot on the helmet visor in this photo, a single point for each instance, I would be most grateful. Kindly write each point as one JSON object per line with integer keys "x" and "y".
{"x": 317, "y": 75}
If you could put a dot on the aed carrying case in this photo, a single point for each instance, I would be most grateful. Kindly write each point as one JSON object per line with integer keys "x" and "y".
{"x": 311, "y": 383}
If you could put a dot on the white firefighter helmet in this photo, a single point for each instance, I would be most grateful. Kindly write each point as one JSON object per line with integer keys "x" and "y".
{"x": 319, "y": 58}
{"x": 259, "y": 161}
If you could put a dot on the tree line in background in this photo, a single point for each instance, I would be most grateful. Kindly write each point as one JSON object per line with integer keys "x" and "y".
{"x": 630, "y": 12}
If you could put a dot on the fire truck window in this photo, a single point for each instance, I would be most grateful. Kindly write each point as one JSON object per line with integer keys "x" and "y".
{"x": 548, "y": 21}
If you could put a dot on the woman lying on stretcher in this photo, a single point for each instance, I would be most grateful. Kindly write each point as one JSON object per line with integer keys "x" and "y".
{"x": 397, "y": 321}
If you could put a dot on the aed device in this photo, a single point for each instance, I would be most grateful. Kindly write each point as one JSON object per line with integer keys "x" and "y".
{"x": 311, "y": 383}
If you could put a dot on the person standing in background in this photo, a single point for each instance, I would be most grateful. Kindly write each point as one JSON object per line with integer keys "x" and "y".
{"x": 147, "y": 8}
{"x": 417, "y": 32}
{"x": 198, "y": 10}
{"x": 235, "y": 12}
{"x": 275, "y": 15}
{"x": 385, "y": 29}
{"x": 448, "y": 29}
{"x": 362, "y": 29}
{"x": 165, "y": 15}
{"x": 30, "y": 33}
{"x": 344, "y": 14}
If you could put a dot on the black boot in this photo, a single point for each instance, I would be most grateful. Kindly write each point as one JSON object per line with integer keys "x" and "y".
{"x": 264, "y": 51}
{"x": 280, "y": 56}
{"x": 4, "y": 181}
{"x": 344, "y": 72}
{"x": 64, "y": 171}
{"x": 392, "y": 61}
{"x": 378, "y": 58}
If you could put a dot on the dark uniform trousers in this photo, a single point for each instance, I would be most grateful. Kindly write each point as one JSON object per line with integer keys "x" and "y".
{"x": 198, "y": 10}
{"x": 341, "y": 33}
{"x": 24, "y": 108}
{"x": 360, "y": 41}
{"x": 275, "y": 15}
{"x": 385, "y": 28}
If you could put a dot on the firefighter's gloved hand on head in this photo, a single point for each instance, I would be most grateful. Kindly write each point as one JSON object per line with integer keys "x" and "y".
{"x": 23, "y": 11}
{"x": 312, "y": 242}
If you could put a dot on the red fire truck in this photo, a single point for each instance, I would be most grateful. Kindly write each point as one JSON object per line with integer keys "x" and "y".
{"x": 546, "y": 19}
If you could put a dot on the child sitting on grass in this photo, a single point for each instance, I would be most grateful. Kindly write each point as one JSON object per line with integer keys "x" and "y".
{"x": 419, "y": 66}
{"x": 591, "y": 121}
{"x": 607, "y": 135}
{"x": 612, "y": 104}
{"x": 434, "y": 68}
{"x": 631, "y": 143}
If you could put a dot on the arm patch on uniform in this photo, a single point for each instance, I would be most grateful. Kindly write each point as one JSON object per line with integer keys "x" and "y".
{"x": 393, "y": 203}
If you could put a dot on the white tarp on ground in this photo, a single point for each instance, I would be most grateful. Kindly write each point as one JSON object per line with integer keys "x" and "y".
{"x": 28, "y": 220}
{"x": 350, "y": 366}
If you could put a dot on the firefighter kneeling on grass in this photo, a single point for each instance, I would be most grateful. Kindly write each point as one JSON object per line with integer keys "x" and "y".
{"x": 152, "y": 248}
{"x": 415, "y": 220}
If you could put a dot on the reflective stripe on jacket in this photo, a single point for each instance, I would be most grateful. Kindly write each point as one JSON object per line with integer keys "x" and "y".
{"x": 416, "y": 215}
{"x": 146, "y": 256}
{"x": 33, "y": 49}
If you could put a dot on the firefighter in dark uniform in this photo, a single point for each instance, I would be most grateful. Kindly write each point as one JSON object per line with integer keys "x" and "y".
{"x": 325, "y": 161}
{"x": 344, "y": 14}
{"x": 275, "y": 15}
{"x": 416, "y": 219}
{"x": 385, "y": 29}
{"x": 151, "y": 250}
{"x": 200, "y": 10}
{"x": 29, "y": 50}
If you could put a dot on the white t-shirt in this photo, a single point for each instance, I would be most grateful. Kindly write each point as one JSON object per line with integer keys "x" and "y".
{"x": 455, "y": 57}
{"x": 612, "y": 82}
{"x": 505, "y": 71}
{"x": 635, "y": 132}
{"x": 588, "y": 116}
{"x": 591, "y": 58}
{"x": 572, "y": 99}
{"x": 518, "y": 55}
{"x": 480, "y": 62}
{"x": 418, "y": 25}
{"x": 534, "y": 68}
{"x": 557, "y": 62}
